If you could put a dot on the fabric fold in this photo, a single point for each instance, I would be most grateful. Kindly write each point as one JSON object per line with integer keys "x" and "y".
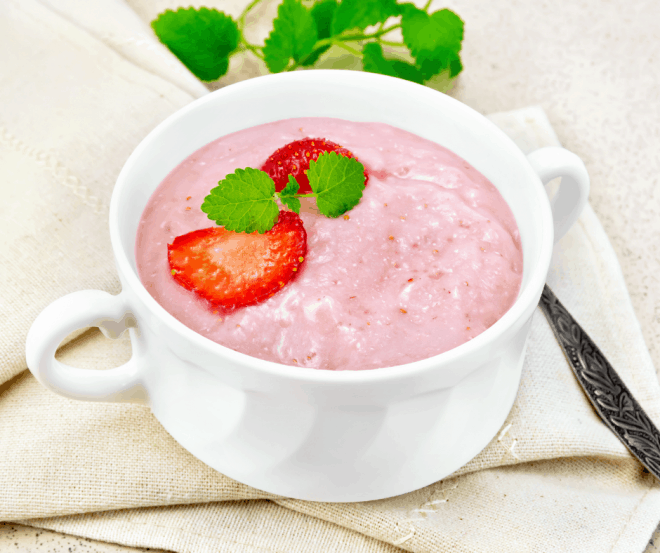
{"x": 231, "y": 526}
{"x": 62, "y": 145}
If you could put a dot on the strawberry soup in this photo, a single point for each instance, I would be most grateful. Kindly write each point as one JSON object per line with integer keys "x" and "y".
{"x": 428, "y": 259}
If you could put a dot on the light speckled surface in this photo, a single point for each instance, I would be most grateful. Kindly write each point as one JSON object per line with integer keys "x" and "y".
{"x": 594, "y": 67}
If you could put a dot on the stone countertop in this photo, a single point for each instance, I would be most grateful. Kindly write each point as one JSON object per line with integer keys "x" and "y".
{"x": 594, "y": 66}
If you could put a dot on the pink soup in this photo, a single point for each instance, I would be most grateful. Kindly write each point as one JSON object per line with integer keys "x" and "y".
{"x": 429, "y": 258}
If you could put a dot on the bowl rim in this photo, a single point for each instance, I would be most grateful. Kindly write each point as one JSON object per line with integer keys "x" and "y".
{"x": 526, "y": 300}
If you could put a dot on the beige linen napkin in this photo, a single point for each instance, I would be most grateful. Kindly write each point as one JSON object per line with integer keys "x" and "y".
{"x": 554, "y": 478}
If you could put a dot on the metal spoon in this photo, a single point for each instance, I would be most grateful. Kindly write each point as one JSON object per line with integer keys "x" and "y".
{"x": 606, "y": 391}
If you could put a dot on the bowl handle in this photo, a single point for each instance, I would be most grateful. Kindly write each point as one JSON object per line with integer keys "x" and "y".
{"x": 72, "y": 312}
{"x": 567, "y": 204}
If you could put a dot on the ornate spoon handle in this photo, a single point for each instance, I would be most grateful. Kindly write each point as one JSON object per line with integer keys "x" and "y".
{"x": 608, "y": 394}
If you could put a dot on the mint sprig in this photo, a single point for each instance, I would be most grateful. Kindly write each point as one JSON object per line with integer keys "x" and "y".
{"x": 303, "y": 32}
{"x": 245, "y": 200}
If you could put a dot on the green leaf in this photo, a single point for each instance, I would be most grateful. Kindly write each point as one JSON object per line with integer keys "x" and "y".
{"x": 202, "y": 39}
{"x": 359, "y": 14}
{"x": 314, "y": 56}
{"x": 407, "y": 71}
{"x": 322, "y": 12}
{"x": 243, "y": 202}
{"x": 293, "y": 36}
{"x": 291, "y": 188}
{"x": 287, "y": 195}
{"x": 292, "y": 203}
{"x": 373, "y": 61}
{"x": 434, "y": 40}
{"x": 455, "y": 66}
{"x": 337, "y": 181}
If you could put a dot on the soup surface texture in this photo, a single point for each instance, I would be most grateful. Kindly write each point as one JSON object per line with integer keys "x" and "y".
{"x": 429, "y": 258}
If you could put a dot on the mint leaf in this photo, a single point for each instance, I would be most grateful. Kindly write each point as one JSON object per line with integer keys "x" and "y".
{"x": 359, "y": 14}
{"x": 434, "y": 40}
{"x": 202, "y": 39}
{"x": 373, "y": 61}
{"x": 293, "y": 36}
{"x": 407, "y": 71}
{"x": 291, "y": 188}
{"x": 322, "y": 12}
{"x": 455, "y": 66}
{"x": 287, "y": 195}
{"x": 292, "y": 203}
{"x": 243, "y": 202}
{"x": 337, "y": 181}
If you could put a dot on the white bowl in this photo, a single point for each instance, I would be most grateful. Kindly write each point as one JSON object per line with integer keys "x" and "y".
{"x": 311, "y": 434}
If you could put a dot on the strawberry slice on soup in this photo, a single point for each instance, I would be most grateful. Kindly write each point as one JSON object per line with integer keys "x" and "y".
{"x": 235, "y": 269}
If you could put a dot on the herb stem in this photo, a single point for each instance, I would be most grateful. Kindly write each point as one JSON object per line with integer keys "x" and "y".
{"x": 293, "y": 67}
{"x": 348, "y": 48}
{"x": 388, "y": 43}
{"x": 427, "y": 5}
{"x": 241, "y": 18}
{"x": 323, "y": 42}
{"x": 256, "y": 50}
{"x": 376, "y": 34}
{"x": 353, "y": 38}
{"x": 385, "y": 31}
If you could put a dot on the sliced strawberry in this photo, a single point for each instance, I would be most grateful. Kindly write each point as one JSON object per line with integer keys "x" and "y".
{"x": 235, "y": 269}
{"x": 293, "y": 159}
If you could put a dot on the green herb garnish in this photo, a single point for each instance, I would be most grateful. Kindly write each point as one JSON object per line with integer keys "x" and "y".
{"x": 288, "y": 195}
{"x": 245, "y": 200}
{"x": 337, "y": 182}
{"x": 205, "y": 39}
